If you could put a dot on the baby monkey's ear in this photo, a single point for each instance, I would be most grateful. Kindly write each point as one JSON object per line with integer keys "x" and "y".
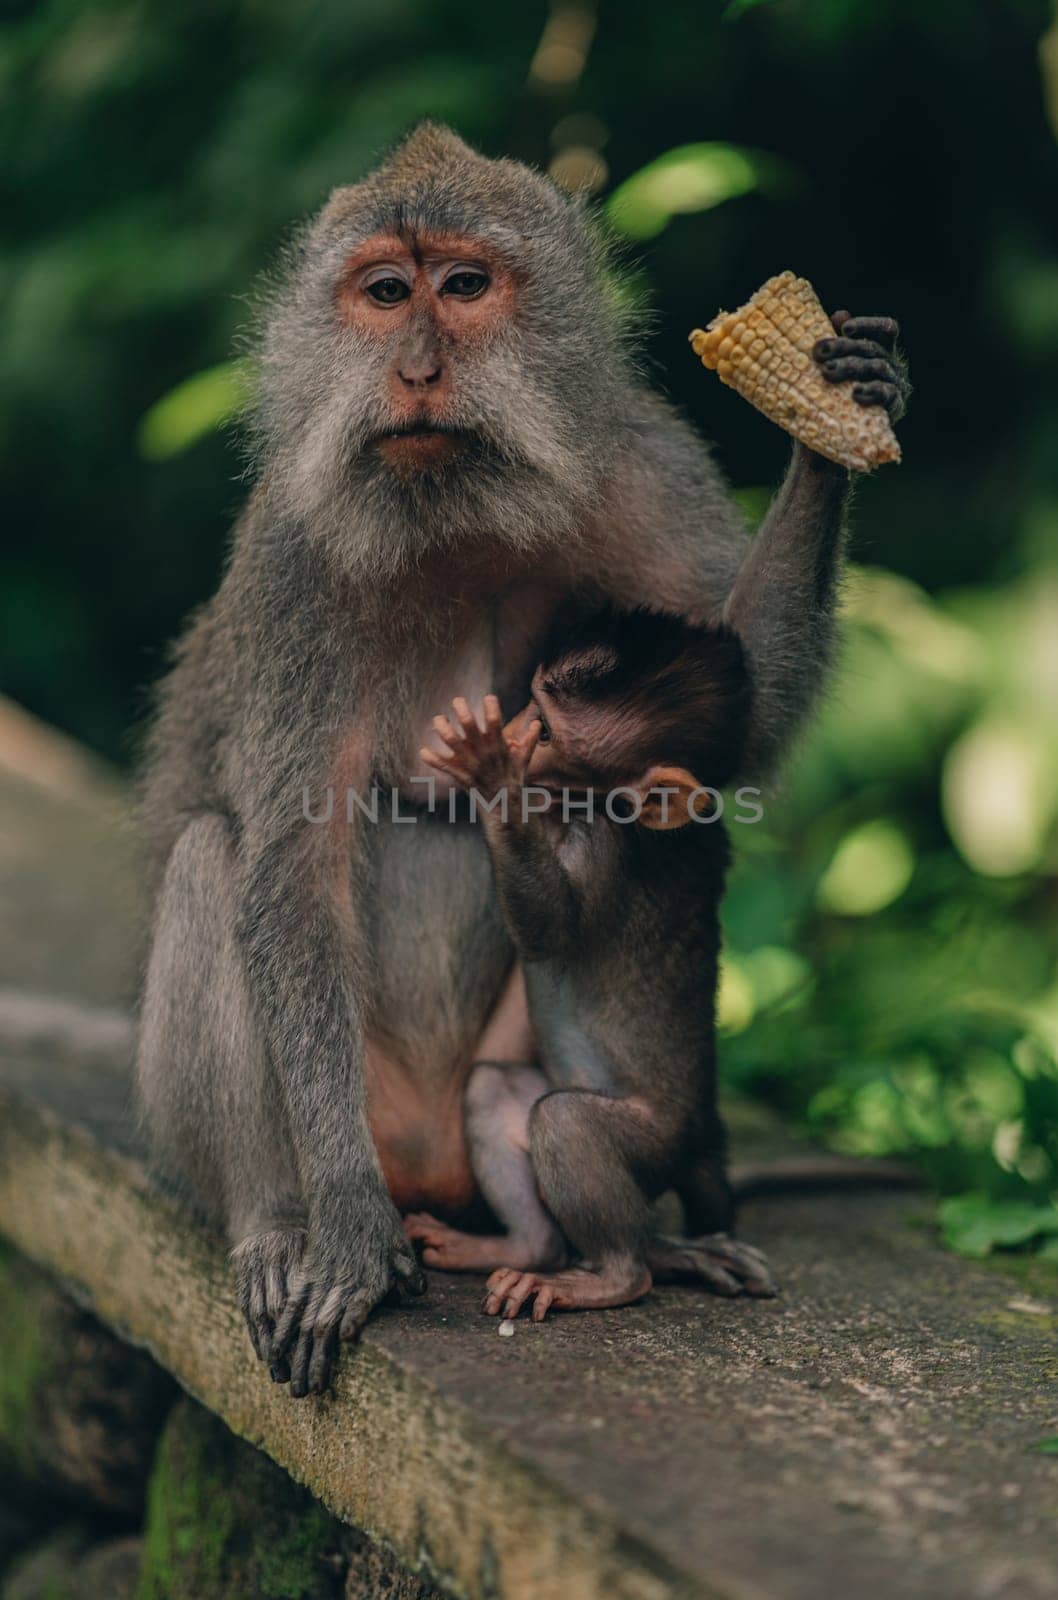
{"x": 666, "y": 794}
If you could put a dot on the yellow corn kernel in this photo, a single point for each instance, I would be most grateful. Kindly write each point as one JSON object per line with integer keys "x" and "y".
{"x": 764, "y": 350}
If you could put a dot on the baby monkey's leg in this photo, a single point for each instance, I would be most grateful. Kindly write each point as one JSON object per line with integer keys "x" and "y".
{"x": 499, "y": 1098}
{"x": 592, "y": 1155}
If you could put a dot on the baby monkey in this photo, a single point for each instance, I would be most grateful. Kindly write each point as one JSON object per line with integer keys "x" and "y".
{"x": 609, "y": 859}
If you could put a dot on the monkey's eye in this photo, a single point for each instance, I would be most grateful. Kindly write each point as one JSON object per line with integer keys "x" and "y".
{"x": 544, "y": 736}
{"x": 466, "y": 284}
{"x": 388, "y": 291}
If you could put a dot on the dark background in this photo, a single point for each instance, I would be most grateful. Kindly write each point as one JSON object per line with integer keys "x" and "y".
{"x": 892, "y": 965}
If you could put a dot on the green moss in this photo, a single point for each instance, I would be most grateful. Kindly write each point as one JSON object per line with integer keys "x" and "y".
{"x": 286, "y": 1565}
{"x": 26, "y": 1364}
{"x": 224, "y": 1522}
{"x": 190, "y": 1518}
{"x": 1037, "y": 1274}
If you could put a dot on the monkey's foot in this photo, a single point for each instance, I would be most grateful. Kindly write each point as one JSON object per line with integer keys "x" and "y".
{"x": 343, "y": 1275}
{"x": 453, "y": 1251}
{"x": 582, "y": 1288}
{"x": 716, "y": 1260}
{"x": 264, "y": 1264}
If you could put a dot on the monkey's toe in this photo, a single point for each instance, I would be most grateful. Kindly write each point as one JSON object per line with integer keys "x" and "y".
{"x": 263, "y": 1264}
{"x": 882, "y": 330}
{"x": 721, "y": 1263}
{"x": 322, "y": 1323}
{"x": 500, "y": 1283}
{"x": 421, "y": 1228}
{"x": 618, "y": 1282}
{"x": 884, "y": 394}
{"x": 858, "y": 369}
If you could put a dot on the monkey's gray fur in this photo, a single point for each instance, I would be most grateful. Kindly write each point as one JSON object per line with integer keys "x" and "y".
{"x": 350, "y": 598}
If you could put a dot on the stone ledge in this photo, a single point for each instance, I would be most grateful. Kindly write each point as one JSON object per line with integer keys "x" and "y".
{"x": 871, "y": 1432}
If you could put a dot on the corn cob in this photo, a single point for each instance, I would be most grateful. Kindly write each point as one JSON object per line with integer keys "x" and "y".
{"x": 764, "y": 350}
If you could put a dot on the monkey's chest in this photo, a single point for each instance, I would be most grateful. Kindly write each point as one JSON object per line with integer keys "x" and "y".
{"x": 470, "y": 673}
{"x": 497, "y": 655}
{"x": 418, "y": 1134}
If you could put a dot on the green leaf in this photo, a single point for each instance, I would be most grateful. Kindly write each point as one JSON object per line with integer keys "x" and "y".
{"x": 871, "y": 867}
{"x": 975, "y": 1226}
{"x": 691, "y": 177}
{"x": 198, "y": 406}
{"x": 1047, "y": 1447}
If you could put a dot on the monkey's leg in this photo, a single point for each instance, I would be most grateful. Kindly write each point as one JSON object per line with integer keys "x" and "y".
{"x": 592, "y": 1155}
{"x": 499, "y": 1098}
{"x": 206, "y": 1082}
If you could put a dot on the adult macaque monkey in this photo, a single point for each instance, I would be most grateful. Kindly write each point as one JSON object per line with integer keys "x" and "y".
{"x": 451, "y": 440}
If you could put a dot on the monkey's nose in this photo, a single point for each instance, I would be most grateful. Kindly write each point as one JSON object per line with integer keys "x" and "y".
{"x": 419, "y": 372}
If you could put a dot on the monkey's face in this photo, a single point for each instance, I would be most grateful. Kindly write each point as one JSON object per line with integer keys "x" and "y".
{"x": 590, "y": 747}
{"x": 432, "y": 310}
{"x": 442, "y": 366}
{"x": 602, "y": 746}
{"x": 583, "y": 744}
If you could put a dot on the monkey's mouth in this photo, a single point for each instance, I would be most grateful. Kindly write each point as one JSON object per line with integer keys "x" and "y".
{"x": 420, "y": 445}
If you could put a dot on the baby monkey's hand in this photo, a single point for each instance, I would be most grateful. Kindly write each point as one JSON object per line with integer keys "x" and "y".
{"x": 481, "y": 758}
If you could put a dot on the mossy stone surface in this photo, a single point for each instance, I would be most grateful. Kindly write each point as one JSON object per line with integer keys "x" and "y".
{"x": 224, "y": 1522}
{"x": 80, "y": 1411}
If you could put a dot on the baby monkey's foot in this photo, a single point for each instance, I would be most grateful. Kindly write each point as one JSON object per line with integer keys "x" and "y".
{"x": 453, "y": 1251}
{"x": 583, "y": 1288}
{"x": 718, "y": 1261}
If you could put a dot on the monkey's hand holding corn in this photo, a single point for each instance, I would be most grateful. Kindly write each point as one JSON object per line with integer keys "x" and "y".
{"x": 764, "y": 350}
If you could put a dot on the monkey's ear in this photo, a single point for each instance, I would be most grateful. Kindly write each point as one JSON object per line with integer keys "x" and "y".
{"x": 666, "y": 794}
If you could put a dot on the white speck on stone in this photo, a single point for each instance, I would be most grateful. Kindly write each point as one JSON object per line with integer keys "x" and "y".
{"x": 1029, "y": 1308}
{"x": 506, "y": 1329}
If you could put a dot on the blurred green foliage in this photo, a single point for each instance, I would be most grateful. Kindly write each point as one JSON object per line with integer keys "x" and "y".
{"x": 891, "y": 978}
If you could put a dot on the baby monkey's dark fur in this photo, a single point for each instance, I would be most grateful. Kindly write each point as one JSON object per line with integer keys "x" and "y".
{"x": 616, "y": 923}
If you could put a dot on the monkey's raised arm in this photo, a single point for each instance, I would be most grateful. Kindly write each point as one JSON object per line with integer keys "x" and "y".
{"x": 539, "y": 900}
{"x": 783, "y": 599}
{"x": 538, "y": 897}
{"x": 782, "y": 605}
{"x": 692, "y": 556}
{"x": 679, "y": 544}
